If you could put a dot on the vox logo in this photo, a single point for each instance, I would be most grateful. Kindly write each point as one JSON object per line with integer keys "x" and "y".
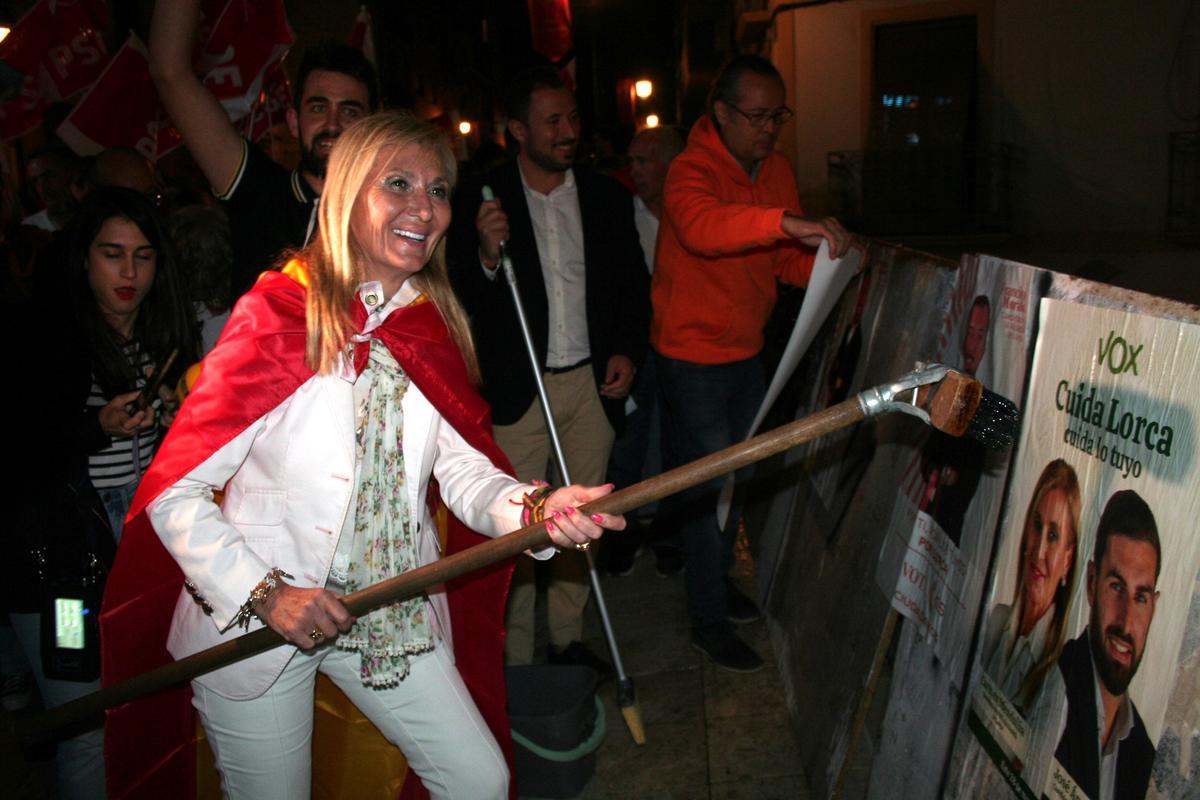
{"x": 1118, "y": 355}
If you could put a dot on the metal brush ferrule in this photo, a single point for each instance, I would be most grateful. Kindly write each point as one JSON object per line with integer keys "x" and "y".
{"x": 901, "y": 394}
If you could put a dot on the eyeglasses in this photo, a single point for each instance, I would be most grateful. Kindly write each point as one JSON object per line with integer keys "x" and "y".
{"x": 759, "y": 119}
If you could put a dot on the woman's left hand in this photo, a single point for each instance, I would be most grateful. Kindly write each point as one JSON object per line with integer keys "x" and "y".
{"x": 568, "y": 526}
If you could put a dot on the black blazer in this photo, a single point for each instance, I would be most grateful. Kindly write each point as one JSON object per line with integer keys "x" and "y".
{"x": 617, "y": 287}
{"x": 1079, "y": 749}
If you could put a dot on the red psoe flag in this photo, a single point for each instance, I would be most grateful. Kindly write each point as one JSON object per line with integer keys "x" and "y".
{"x": 273, "y": 102}
{"x": 362, "y": 35}
{"x": 550, "y": 26}
{"x": 59, "y": 47}
{"x": 234, "y": 54}
{"x": 247, "y": 38}
{"x": 125, "y": 84}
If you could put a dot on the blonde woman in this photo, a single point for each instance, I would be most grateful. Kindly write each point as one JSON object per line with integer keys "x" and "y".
{"x": 1022, "y": 641}
{"x": 339, "y": 387}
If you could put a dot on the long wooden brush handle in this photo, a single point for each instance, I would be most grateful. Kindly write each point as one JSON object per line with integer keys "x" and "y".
{"x": 533, "y": 537}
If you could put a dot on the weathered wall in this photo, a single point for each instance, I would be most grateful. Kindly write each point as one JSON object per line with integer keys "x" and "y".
{"x": 1088, "y": 92}
{"x": 818, "y": 538}
{"x": 1083, "y": 88}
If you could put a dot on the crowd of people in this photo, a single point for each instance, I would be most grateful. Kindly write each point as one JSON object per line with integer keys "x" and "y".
{"x": 379, "y": 350}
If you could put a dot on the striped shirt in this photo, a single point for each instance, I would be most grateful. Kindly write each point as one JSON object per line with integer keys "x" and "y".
{"x": 114, "y": 465}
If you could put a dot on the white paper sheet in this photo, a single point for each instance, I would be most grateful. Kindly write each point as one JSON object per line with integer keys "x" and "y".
{"x": 825, "y": 286}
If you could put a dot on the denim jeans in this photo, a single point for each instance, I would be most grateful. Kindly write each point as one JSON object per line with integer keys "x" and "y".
{"x": 705, "y": 408}
{"x": 117, "y": 500}
{"x": 636, "y": 453}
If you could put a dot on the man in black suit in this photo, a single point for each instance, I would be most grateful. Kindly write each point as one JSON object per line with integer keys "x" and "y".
{"x": 571, "y": 237}
{"x": 1121, "y": 581}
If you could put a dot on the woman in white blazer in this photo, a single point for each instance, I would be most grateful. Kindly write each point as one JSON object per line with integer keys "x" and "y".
{"x": 362, "y": 353}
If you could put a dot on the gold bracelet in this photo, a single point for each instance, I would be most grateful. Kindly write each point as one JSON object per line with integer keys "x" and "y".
{"x": 258, "y": 594}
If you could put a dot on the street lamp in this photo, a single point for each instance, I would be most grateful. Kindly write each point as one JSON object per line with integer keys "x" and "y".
{"x": 652, "y": 120}
{"x": 643, "y": 88}
{"x": 464, "y": 128}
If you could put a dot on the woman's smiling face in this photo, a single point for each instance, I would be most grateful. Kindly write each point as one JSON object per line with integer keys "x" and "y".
{"x": 1048, "y": 550}
{"x": 400, "y": 215}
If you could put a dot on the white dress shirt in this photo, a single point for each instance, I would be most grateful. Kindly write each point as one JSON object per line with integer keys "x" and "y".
{"x": 558, "y": 230}
{"x": 647, "y": 228}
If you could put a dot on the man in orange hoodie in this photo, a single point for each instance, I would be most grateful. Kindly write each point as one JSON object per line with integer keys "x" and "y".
{"x": 731, "y": 227}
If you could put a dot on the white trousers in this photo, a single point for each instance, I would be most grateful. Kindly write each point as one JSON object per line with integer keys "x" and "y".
{"x": 263, "y": 746}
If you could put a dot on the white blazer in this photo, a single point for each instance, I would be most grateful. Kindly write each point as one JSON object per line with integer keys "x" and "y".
{"x": 289, "y": 481}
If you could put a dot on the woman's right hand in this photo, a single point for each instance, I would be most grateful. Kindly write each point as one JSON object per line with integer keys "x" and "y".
{"x": 297, "y": 614}
{"x": 117, "y": 422}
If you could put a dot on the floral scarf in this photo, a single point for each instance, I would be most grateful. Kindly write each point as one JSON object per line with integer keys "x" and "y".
{"x": 384, "y": 544}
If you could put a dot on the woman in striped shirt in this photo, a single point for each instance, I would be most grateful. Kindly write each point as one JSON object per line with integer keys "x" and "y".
{"x": 132, "y": 314}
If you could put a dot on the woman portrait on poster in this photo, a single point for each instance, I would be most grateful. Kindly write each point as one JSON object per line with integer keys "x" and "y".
{"x": 1022, "y": 641}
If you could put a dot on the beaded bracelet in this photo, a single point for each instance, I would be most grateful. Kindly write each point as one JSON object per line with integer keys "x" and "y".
{"x": 534, "y": 504}
{"x": 261, "y": 591}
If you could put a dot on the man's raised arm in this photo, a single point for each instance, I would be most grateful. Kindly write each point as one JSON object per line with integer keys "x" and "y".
{"x": 210, "y": 137}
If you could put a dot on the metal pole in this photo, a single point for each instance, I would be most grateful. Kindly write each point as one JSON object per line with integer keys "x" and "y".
{"x": 624, "y": 682}
{"x": 625, "y": 691}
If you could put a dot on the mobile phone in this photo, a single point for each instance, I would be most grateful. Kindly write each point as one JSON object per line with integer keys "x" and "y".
{"x": 147, "y": 395}
{"x": 71, "y": 632}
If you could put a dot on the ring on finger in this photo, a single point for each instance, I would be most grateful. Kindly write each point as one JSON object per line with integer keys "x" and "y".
{"x": 316, "y": 635}
{"x": 582, "y": 545}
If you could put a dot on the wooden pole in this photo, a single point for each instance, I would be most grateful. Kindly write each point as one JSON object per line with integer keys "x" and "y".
{"x": 412, "y": 583}
{"x": 951, "y": 403}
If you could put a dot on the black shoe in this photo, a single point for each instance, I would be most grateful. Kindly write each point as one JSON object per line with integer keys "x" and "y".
{"x": 668, "y": 561}
{"x": 739, "y": 607}
{"x": 726, "y": 650}
{"x": 621, "y": 558}
{"x": 577, "y": 654}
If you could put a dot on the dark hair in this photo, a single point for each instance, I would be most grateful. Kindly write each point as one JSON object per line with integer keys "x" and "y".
{"x": 63, "y": 154}
{"x": 164, "y": 321}
{"x": 333, "y": 56}
{"x": 518, "y": 95}
{"x": 109, "y": 167}
{"x": 727, "y": 86}
{"x": 205, "y": 253}
{"x": 1126, "y": 514}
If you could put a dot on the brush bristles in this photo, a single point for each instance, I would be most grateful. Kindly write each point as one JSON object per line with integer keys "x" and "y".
{"x": 995, "y": 422}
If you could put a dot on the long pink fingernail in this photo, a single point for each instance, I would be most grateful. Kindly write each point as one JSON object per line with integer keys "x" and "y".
{"x": 549, "y": 526}
{"x": 570, "y": 511}
{"x": 596, "y": 518}
{"x": 556, "y": 514}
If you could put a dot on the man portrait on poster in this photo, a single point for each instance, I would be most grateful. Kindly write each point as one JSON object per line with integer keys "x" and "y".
{"x": 1111, "y": 756}
{"x": 953, "y": 464}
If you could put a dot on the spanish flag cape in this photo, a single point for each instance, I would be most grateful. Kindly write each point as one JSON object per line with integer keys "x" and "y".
{"x": 150, "y": 744}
